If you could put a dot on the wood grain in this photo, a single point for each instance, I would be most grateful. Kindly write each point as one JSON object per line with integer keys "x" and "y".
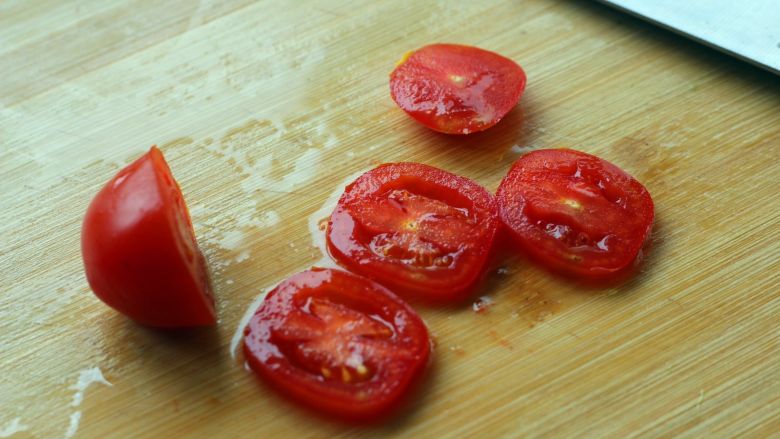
{"x": 263, "y": 110}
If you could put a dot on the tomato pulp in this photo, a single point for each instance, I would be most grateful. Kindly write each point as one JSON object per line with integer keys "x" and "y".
{"x": 456, "y": 89}
{"x": 575, "y": 212}
{"x": 422, "y": 232}
{"x": 338, "y": 343}
{"x": 139, "y": 249}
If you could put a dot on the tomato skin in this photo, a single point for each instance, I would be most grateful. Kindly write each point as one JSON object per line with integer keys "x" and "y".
{"x": 286, "y": 340}
{"x": 456, "y": 89}
{"x": 575, "y": 213}
{"x": 139, "y": 249}
{"x": 446, "y": 257}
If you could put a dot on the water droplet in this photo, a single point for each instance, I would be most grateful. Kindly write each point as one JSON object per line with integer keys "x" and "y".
{"x": 483, "y": 304}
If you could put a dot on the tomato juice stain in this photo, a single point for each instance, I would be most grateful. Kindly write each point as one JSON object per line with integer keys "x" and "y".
{"x": 458, "y": 351}
{"x": 500, "y": 340}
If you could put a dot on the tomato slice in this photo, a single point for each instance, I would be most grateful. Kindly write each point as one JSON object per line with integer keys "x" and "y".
{"x": 575, "y": 212}
{"x": 421, "y": 231}
{"x": 139, "y": 249}
{"x": 338, "y": 343}
{"x": 456, "y": 89}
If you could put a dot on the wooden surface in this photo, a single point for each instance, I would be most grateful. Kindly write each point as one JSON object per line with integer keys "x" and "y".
{"x": 263, "y": 111}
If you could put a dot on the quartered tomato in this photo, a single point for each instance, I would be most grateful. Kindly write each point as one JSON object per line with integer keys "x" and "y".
{"x": 420, "y": 231}
{"x": 139, "y": 249}
{"x": 575, "y": 212}
{"x": 456, "y": 89}
{"x": 338, "y": 343}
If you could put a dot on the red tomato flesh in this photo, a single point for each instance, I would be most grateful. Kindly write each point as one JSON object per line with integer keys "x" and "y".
{"x": 139, "y": 249}
{"x": 422, "y": 232}
{"x": 575, "y": 212}
{"x": 338, "y": 343}
{"x": 456, "y": 89}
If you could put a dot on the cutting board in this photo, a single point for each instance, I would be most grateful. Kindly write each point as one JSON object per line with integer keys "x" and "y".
{"x": 266, "y": 110}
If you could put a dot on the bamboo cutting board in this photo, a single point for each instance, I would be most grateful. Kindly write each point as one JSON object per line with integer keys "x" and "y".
{"x": 266, "y": 110}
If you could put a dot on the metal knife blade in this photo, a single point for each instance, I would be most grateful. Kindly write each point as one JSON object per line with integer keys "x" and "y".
{"x": 749, "y": 29}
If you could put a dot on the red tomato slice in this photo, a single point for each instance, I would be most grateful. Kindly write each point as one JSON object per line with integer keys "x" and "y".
{"x": 338, "y": 343}
{"x": 139, "y": 249}
{"x": 421, "y": 231}
{"x": 575, "y": 212}
{"x": 456, "y": 89}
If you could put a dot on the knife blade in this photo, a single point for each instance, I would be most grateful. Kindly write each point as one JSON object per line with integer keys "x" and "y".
{"x": 749, "y": 30}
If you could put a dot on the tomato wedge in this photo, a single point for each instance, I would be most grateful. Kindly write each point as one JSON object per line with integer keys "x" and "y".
{"x": 422, "y": 232}
{"x": 456, "y": 89}
{"x": 139, "y": 249}
{"x": 338, "y": 343}
{"x": 575, "y": 212}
